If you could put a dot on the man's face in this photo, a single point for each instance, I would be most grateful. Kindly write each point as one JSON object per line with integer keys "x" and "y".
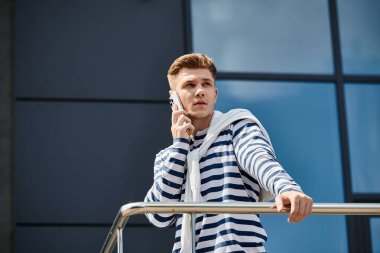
{"x": 196, "y": 88}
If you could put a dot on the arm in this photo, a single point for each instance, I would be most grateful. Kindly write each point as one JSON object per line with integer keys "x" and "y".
{"x": 256, "y": 156}
{"x": 169, "y": 173}
{"x": 169, "y": 168}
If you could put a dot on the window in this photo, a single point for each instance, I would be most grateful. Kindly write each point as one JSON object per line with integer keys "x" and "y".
{"x": 301, "y": 119}
{"x": 264, "y": 36}
{"x": 360, "y": 37}
{"x": 375, "y": 232}
{"x": 363, "y": 119}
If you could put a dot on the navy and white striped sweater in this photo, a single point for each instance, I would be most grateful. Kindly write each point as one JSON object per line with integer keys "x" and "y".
{"x": 236, "y": 165}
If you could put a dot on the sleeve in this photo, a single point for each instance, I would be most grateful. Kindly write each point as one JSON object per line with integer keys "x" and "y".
{"x": 256, "y": 156}
{"x": 169, "y": 174}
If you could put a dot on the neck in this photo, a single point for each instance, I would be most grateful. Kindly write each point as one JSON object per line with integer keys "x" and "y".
{"x": 201, "y": 123}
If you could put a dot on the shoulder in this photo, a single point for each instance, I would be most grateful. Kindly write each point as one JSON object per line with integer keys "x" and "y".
{"x": 243, "y": 125}
{"x": 240, "y": 117}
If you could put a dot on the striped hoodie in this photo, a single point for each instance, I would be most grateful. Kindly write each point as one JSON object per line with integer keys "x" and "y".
{"x": 236, "y": 165}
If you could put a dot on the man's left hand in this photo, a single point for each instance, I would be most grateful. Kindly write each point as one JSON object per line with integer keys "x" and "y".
{"x": 299, "y": 204}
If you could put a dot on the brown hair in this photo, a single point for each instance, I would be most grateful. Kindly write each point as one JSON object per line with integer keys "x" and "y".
{"x": 192, "y": 61}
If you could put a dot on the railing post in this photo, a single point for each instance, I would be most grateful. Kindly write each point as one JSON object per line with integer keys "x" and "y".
{"x": 120, "y": 240}
{"x": 193, "y": 217}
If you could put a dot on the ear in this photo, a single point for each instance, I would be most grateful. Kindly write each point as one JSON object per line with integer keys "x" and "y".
{"x": 216, "y": 94}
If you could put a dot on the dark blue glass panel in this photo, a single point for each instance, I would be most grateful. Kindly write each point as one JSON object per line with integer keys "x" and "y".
{"x": 363, "y": 119}
{"x": 302, "y": 122}
{"x": 359, "y": 35}
{"x": 264, "y": 36}
{"x": 375, "y": 232}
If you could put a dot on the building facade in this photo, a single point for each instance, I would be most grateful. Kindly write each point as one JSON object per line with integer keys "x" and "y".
{"x": 89, "y": 110}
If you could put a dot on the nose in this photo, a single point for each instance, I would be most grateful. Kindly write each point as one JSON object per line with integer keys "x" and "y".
{"x": 199, "y": 91}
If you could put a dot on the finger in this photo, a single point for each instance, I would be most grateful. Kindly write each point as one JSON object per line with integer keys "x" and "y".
{"x": 293, "y": 209}
{"x": 176, "y": 115}
{"x": 182, "y": 119}
{"x": 302, "y": 210}
{"x": 280, "y": 203}
{"x": 309, "y": 206}
{"x": 186, "y": 128}
{"x": 190, "y": 131}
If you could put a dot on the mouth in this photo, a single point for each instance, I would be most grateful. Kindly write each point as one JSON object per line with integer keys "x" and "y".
{"x": 200, "y": 103}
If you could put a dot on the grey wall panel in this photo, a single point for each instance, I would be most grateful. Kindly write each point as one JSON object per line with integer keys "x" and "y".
{"x": 96, "y": 49}
{"x": 90, "y": 239}
{"x": 140, "y": 239}
{"x": 79, "y": 162}
{"x": 59, "y": 239}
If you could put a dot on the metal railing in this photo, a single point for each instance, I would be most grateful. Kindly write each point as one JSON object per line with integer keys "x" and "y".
{"x": 116, "y": 232}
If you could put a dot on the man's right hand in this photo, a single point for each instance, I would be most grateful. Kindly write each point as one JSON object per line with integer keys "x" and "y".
{"x": 181, "y": 124}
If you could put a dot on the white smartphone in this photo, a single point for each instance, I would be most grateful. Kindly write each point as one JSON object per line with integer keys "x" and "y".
{"x": 174, "y": 99}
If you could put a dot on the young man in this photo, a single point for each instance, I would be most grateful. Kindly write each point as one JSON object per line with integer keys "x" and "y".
{"x": 232, "y": 157}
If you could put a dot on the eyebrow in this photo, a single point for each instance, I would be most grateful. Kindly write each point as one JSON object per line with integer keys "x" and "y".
{"x": 203, "y": 79}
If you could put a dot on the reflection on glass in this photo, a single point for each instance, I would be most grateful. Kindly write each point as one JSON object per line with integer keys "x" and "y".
{"x": 290, "y": 36}
{"x": 375, "y": 232}
{"x": 360, "y": 36}
{"x": 301, "y": 120}
{"x": 363, "y": 119}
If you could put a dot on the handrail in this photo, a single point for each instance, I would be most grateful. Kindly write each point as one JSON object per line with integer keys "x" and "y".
{"x": 218, "y": 208}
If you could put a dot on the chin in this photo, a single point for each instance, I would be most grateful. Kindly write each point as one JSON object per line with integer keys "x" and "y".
{"x": 201, "y": 114}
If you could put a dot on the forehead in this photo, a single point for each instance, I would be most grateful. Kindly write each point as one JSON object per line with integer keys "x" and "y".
{"x": 193, "y": 74}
